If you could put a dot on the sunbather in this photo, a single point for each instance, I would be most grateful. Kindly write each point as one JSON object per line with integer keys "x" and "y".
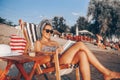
{"x": 100, "y": 42}
{"x": 78, "y": 53}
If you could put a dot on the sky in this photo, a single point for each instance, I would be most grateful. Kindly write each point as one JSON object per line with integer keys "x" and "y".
{"x": 34, "y": 11}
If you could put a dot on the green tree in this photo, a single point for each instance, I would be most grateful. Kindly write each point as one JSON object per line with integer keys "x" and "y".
{"x": 60, "y": 24}
{"x": 9, "y": 23}
{"x": 106, "y": 16}
{"x": 82, "y": 23}
{"x": 2, "y": 20}
{"x": 73, "y": 29}
{"x": 94, "y": 27}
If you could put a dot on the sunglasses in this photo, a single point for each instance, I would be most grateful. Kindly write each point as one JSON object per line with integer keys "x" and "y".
{"x": 49, "y": 31}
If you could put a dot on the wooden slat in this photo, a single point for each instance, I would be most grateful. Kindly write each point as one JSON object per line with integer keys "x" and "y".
{"x": 3, "y": 75}
{"x": 20, "y": 59}
{"x": 77, "y": 74}
{"x": 57, "y": 67}
{"x": 21, "y": 69}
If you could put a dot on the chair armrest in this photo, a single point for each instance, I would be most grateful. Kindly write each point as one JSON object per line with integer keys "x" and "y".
{"x": 57, "y": 67}
{"x": 49, "y": 53}
{"x": 56, "y": 60}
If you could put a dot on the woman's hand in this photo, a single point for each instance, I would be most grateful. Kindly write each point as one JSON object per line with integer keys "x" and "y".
{"x": 59, "y": 49}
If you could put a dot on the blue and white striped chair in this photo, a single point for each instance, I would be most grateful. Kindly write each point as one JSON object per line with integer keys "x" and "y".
{"x": 31, "y": 33}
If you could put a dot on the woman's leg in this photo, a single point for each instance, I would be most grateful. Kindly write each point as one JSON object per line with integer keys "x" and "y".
{"x": 84, "y": 66}
{"x": 93, "y": 60}
{"x": 70, "y": 53}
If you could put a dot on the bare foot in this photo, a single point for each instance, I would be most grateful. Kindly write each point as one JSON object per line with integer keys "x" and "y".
{"x": 112, "y": 75}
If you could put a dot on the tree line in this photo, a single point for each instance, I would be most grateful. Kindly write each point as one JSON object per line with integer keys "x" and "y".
{"x": 106, "y": 17}
{"x": 5, "y": 21}
{"x": 103, "y": 17}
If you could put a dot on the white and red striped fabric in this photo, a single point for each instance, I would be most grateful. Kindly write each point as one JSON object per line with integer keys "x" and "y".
{"x": 17, "y": 44}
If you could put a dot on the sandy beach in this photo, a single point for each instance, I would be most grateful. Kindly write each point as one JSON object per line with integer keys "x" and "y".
{"x": 109, "y": 58}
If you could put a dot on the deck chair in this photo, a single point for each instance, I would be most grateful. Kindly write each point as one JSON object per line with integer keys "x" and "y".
{"x": 31, "y": 34}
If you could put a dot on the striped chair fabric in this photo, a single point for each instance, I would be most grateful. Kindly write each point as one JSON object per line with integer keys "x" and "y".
{"x": 18, "y": 44}
{"x": 32, "y": 31}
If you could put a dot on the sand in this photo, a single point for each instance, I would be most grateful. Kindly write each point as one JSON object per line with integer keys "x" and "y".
{"x": 5, "y": 33}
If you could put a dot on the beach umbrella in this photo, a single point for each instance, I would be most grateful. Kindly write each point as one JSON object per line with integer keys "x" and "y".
{"x": 56, "y": 32}
{"x": 86, "y": 32}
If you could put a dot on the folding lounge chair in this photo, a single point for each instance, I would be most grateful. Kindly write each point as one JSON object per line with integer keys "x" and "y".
{"x": 31, "y": 31}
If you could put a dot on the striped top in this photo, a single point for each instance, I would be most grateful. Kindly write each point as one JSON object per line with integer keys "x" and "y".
{"x": 49, "y": 48}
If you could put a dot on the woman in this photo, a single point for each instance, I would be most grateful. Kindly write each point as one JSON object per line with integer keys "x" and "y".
{"x": 100, "y": 41}
{"x": 76, "y": 54}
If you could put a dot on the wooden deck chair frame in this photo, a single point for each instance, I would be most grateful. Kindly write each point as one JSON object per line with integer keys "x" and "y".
{"x": 24, "y": 26}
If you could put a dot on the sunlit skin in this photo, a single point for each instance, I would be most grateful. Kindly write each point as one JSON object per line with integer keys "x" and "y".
{"x": 46, "y": 35}
{"x": 78, "y": 53}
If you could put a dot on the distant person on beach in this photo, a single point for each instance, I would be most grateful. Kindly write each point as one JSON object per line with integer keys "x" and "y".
{"x": 78, "y": 53}
{"x": 65, "y": 36}
{"x": 100, "y": 41}
{"x": 115, "y": 46}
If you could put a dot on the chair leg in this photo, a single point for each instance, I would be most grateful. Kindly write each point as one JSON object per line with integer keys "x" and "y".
{"x": 57, "y": 67}
{"x": 77, "y": 74}
{"x": 46, "y": 78}
{"x": 1, "y": 72}
{"x": 18, "y": 76}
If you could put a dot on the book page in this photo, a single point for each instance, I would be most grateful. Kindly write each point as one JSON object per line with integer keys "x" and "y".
{"x": 68, "y": 44}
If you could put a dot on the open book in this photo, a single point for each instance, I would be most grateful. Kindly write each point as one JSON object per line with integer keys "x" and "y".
{"x": 67, "y": 45}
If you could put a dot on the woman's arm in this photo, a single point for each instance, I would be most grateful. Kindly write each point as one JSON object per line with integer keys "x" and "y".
{"x": 59, "y": 48}
{"x": 38, "y": 46}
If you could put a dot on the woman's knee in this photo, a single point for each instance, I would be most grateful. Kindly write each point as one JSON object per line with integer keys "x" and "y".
{"x": 80, "y": 43}
{"x": 81, "y": 54}
{"x": 78, "y": 57}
